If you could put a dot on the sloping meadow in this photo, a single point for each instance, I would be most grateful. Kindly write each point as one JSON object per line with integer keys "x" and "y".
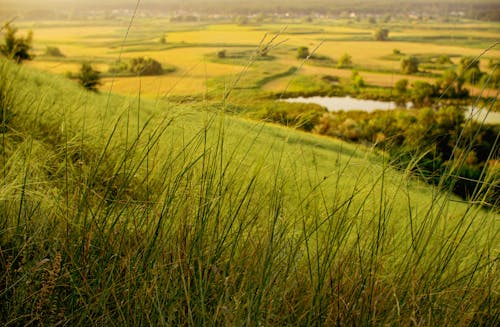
{"x": 129, "y": 211}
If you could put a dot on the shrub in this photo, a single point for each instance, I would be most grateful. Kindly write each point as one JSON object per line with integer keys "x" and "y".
{"x": 88, "y": 77}
{"x": 16, "y": 48}
{"x": 118, "y": 67}
{"x": 221, "y": 54}
{"x": 139, "y": 66}
{"x": 357, "y": 81}
{"x": 444, "y": 59}
{"x": 422, "y": 93}
{"x": 145, "y": 66}
{"x": 345, "y": 61}
{"x": 401, "y": 86}
{"x": 53, "y": 52}
{"x": 302, "y": 52}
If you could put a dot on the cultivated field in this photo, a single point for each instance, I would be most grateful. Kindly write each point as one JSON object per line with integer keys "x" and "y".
{"x": 191, "y": 48}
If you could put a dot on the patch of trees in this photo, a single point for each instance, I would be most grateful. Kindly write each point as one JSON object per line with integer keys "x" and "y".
{"x": 142, "y": 66}
{"x": 16, "y": 48}
{"x": 421, "y": 94}
{"x": 303, "y": 116}
{"x": 469, "y": 70}
{"x": 438, "y": 145}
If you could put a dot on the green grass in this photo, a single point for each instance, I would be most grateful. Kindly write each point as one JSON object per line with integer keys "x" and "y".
{"x": 125, "y": 211}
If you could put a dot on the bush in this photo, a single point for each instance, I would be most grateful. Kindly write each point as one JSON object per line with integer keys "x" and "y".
{"x": 53, "y": 52}
{"x": 118, "y": 67}
{"x": 422, "y": 94}
{"x": 221, "y": 54}
{"x": 302, "y": 52}
{"x": 145, "y": 66}
{"x": 401, "y": 86}
{"x": 88, "y": 77}
{"x": 357, "y": 81}
{"x": 16, "y": 48}
{"x": 139, "y": 66}
{"x": 444, "y": 60}
{"x": 345, "y": 61}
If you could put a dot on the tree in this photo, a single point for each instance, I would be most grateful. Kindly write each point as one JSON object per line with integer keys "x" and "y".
{"x": 409, "y": 65}
{"x": 302, "y": 52}
{"x": 345, "y": 61}
{"x": 450, "y": 85}
{"x": 357, "y": 81}
{"x": 53, "y": 52}
{"x": 444, "y": 60}
{"x": 88, "y": 77}
{"x": 468, "y": 68}
{"x": 221, "y": 54}
{"x": 422, "y": 94}
{"x": 163, "y": 39}
{"x": 381, "y": 34}
{"x": 16, "y": 48}
{"x": 401, "y": 86}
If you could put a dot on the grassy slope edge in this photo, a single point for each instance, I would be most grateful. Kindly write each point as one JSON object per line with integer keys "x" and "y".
{"x": 127, "y": 211}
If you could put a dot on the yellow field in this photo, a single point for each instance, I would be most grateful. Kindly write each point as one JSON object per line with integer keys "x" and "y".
{"x": 191, "y": 49}
{"x": 156, "y": 86}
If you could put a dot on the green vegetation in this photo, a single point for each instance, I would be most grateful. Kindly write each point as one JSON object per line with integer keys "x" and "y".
{"x": 409, "y": 65}
{"x": 53, "y": 52}
{"x": 183, "y": 216}
{"x": 438, "y": 146}
{"x": 88, "y": 77}
{"x": 18, "y": 49}
{"x": 184, "y": 203}
{"x": 345, "y": 61}
{"x": 140, "y": 66}
{"x": 381, "y": 34}
{"x": 357, "y": 81}
{"x": 302, "y": 52}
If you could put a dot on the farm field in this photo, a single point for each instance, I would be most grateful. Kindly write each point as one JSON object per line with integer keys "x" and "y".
{"x": 191, "y": 49}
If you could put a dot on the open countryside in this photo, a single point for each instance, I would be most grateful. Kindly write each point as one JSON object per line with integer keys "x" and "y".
{"x": 169, "y": 163}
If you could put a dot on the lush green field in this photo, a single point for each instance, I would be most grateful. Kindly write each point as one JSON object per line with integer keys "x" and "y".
{"x": 119, "y": 210}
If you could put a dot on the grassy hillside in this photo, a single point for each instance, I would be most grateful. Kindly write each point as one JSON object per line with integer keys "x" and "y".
{"x": 128, "y": 211}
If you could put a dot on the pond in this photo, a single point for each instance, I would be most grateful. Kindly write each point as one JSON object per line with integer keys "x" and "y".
{"x": 347, "y": 103}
